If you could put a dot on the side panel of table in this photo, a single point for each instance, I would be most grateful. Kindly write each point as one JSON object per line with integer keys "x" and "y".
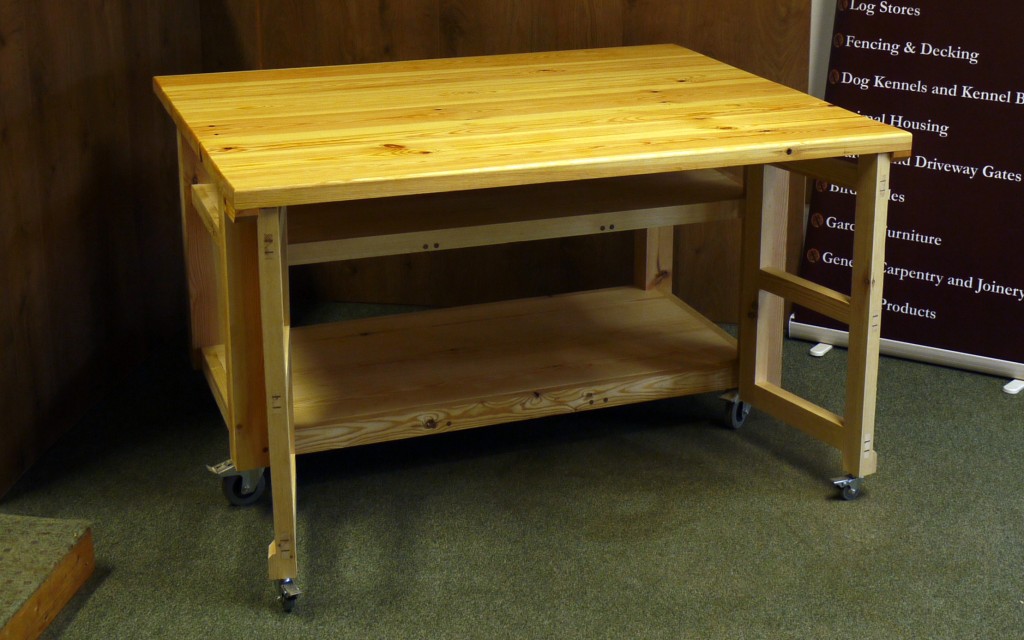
{"x": 766, "y": 285}
{"x": 223, "y": 285}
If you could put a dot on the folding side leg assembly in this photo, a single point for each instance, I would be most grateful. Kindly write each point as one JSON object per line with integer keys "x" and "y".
{"x": 766, "y": 285}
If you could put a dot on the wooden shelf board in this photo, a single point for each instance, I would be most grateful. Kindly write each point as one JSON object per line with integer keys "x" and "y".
{"x": 215, "y": 370}
{"x": 402, "y": 376}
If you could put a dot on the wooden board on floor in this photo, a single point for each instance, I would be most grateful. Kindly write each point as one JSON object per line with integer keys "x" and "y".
{"x": 44, "y": 562}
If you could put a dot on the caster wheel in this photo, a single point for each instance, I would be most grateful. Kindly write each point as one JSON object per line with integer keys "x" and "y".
{"x": 851, "y": 492}
{"x": 850, "y": 488}
{"x": 736, "y": 413}
{"x": 234, "y": 490}
{"x": 288, "y": 594}
{"x": 287, "y": 604}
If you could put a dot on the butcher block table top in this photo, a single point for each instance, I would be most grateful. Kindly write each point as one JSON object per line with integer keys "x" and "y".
{"x": 320, "y": 134}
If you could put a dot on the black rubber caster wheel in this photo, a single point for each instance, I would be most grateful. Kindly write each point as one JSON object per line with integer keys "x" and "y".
{"x": 234, "y": 491}
{"x": 736, "y": 413}
{"x": 287, "y": 604}
{"x": 850, "y": 492}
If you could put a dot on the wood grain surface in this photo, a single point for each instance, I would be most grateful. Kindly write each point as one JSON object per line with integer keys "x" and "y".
{"x": 459, "y": 368}
{"x": 91, "y": 269}
{"x": 322, "y": 134}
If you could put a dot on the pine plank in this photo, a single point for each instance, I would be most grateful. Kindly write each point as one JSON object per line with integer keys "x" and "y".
{"x": 200, "y": 250}
{"x": 215, "y": 371}
{"x": 206, "y": 202}
{"x": 402, "y": 376}
{"x": 244, "y": 359}
{"x": 299, "y": 136}
{"x": 401, "y": 225}
{"x": 859, "y": 456}
{"x": 44, "y": 563}
{"x": 804, "y": 292}
{"x": 273, "y": 275}
{"x": 816, "y": 421}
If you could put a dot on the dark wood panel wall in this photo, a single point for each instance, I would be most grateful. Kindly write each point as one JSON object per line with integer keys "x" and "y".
{"x": 90, "y": 251}
{"x": 88, "y": 218}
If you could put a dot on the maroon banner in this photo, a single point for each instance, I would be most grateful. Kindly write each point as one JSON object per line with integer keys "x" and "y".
{"x": 950, "y": 72}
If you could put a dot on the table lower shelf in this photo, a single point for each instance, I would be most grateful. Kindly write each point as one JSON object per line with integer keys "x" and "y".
{"x": 394, "y": 377}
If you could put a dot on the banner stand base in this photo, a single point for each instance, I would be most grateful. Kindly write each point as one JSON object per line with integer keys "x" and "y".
{"x": 819, "y": 350}
{"x": 910, "y": 351}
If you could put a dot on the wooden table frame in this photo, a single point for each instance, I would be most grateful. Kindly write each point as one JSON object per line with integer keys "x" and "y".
{"x": 285, "y": 390}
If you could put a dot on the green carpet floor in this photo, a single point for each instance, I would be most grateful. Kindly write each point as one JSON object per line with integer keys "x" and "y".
{"x": 649, "y": 521}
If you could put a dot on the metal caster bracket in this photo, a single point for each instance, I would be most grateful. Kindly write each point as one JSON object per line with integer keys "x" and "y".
{"x": 288, "y": 594}
{"x": 241, "y": 488}
{"x": 227, "y": 469}
{"x": 850, "y": 487}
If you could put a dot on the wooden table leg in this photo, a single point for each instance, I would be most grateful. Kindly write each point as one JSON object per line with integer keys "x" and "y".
{"x": 859, "y": 457}
{"x": 653, "y": 259}
{"x": 271, "y": 237}
{"x": 244, "y": 344}
{"x": 762, "y": 315}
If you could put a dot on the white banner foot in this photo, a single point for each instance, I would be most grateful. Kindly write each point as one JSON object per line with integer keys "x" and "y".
{"x": 820, "y": 349}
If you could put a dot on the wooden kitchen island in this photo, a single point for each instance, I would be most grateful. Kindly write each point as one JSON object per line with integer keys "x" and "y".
{"x": 299, "y": 166}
